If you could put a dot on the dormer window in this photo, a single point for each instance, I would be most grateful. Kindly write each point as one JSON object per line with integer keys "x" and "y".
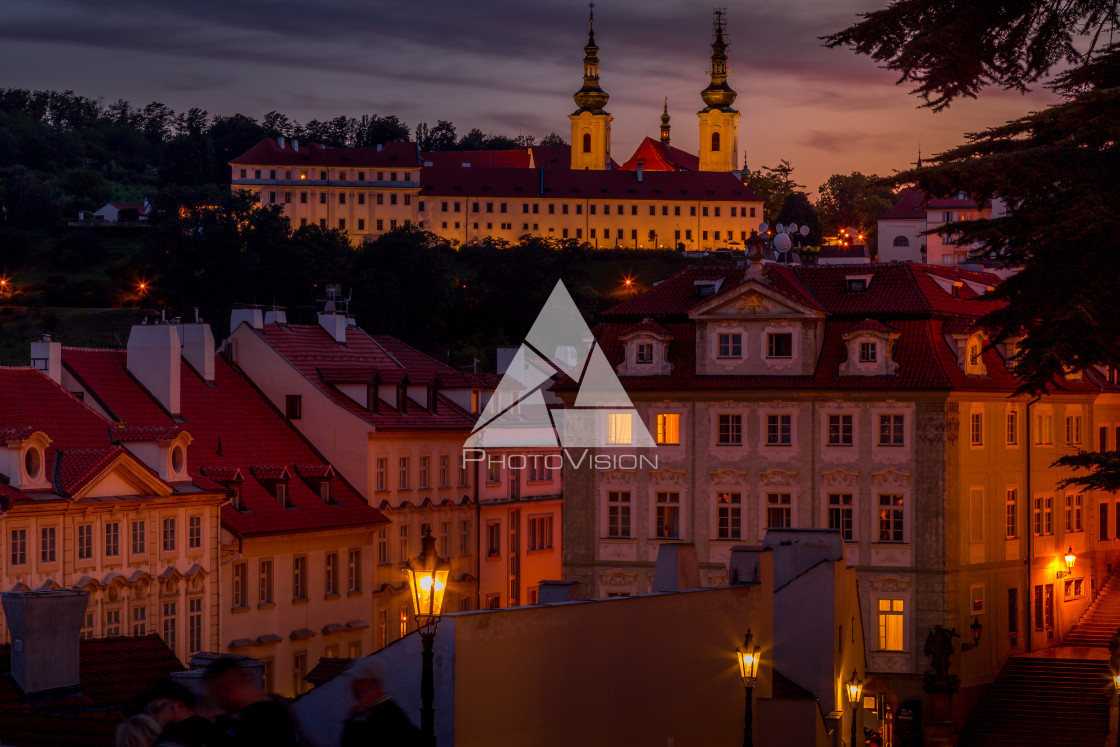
{"x": 325, "y": 491}
{"x": 974, "y": 354}
{"x": 972, "y": 359}
{"x": 644, "y": 352}
{"x": 857, "y": 283}
{"x": 868, "y": 352}
{"x": 235, "y": 496}
{"x": 779, "y": 345}
{"x": 869, "y": 346}
{"x": 729, "y": 345}
{"x": 280, "y": 490}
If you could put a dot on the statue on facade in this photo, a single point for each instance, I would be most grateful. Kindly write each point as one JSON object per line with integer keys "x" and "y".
{"x": 939, "y": 649}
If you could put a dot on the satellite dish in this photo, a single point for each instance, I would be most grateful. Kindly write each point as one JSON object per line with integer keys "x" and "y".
{"x": 791, "y": 227}
{"x": 804, "y": 230}
{"x": 763, "y": 227}
{"x": 782, "y": 242}
{"x": 780, "y": 228}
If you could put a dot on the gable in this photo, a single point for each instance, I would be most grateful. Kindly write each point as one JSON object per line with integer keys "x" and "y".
{"x": 123, "y": 477}
{"x": 751, "y": 299}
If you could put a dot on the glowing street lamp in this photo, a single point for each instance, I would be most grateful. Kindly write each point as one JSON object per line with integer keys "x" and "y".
{"x": 748, "y": 658}
{"x": 854, "y": 690}
{"x": 427, "y": 578}
{"x": 1070, "y": 559}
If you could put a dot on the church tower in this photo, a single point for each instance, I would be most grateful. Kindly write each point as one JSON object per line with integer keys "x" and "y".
{"x": 665, "y": 123}
{"x": 719, "y": 123}
{"x": 591, "y": 126}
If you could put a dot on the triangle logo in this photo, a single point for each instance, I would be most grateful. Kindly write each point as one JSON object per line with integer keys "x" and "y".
{"x": 518, "y": 415}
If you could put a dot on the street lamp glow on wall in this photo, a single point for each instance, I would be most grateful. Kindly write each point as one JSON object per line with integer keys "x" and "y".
{"x": 1069, "y": 558}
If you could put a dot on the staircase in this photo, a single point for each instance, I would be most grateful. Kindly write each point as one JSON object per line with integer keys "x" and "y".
{"x": 1100, "y": 620}
{"x": 1043, "y": 701}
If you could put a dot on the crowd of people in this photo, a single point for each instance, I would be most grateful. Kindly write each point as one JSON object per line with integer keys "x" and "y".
{"x": 232, "y": 711}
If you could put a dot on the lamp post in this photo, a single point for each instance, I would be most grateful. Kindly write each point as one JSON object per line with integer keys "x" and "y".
{"x": 1070, "y": 559}
{"x": 854, "y": 688}
{"x": 1116, "y": 682}
{"x": 748, "y": 657}
{"x": 427, "y": 578}
{"x": 976, "y": 628}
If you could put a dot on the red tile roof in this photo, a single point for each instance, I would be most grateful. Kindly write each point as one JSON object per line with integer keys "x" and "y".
{"x": 455, "y": 159}
{"x": 910, "y": 206}
{"x": 390, "y": 155}
{"x": 112, "y": 672}
{"x": 74, "y": 467}
{"x": 162, "y": 433}
{"x": 647, "y": 325}
{"x": 233, "y": 427}
{"x": 325, "y": 362}
{"x": 481, "y": 183}
{"x": 660, "y": 157}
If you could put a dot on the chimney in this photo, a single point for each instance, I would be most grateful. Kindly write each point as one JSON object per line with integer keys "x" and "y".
{"x": 47, "y": 357}
{"x": 276, "y": 315}
{"x": 45, "y": 627}
{"x": 154, "y": 358}
{"x": 295, "y": 145}
{"x": 433, "y": 390}
{"x": 402, "y": 395}
{"x": 335, "y": 325}
{"x": 641, "y": 162}
{"x": 676, "y": 569}
{"x": 280, "y": 142}
{"x": 552, "y": 592}
{"x": 198, "y": 348}
{"x": 250, "y": 315}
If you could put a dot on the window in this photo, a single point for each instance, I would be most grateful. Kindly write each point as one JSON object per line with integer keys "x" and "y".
{"x": 715, "y": 141}
{"x": 139, "y": 544}
{"x": 86, "y": 631}
{"x": 194, "y": 625}
{"x": 840, "y": 514}
{"x": 668, "y": 428}
{"x": 729, "y": 345}
{"x": 586, "y": 142}
{"x": 976, "y": 429}
{"x": 445, "y": 539}
{"x": 891, "y": 430}
{"x": 404, "y": 621}
{"x": 619, "y": 428}
{"x": 493, "y": 539}
{"x": 1044, "y": 429}
{"x": 112, "y": 540}
{"x": 194, "y": 532}
{"x": 540, "y": 532}
{"x": 667, "y": 516}
{"x": 383, "y": 546}
{"x": 354, "y": 571}
{"x": 425, "y": 472}
{"x": 168, "y": 534}
{"x": 85, "y": 541}
{"x": 868, "y": 352}
{"x": 890, "y": 518}
{"x": 382, "y": 474}
{"x": 139, "y": 620}
{"x": 264, "y": 589}
{"x": 1073, "y": 513}
{"x": 1012, "y": 513}
{"x": 403, "y": 474}
{"x": 47, "y": 549}
{"x": 299, "y": 578}
{"x": 1074, "y": 587}
{"x": 644, "y": 352}
{"x": 444, "y": 473}
{"x": 618, "y": 513}
{"x": 281, "y": 491}
{"x": 839, "y": 430}
{"x": 1012, "y": 428}
{"x": 730, "y": 430}
{"x": 465, "y": 537}
{"x": 901, "y": 241}
{"x": 728, "y": 516}
{"x": 331, "y": 575}
{"x": 1042, "y": 515}
{"x": 240, "y": 585}
{"x": 494, "y": 472}
{"x": 170, "y": 612}
{"x": 1073, "y": 430}
{"x": 779, "y": 345}
{"x": 382, "y": 628}
{"x": 1103, "y": 530}
{"x": 1013, "y": 612}
{"x": 891, "y": 626}
{"x": 779, "y": 430}
{"x": 404, "y": 543}
{"x": 299, "y": 671}
{"x": 779, "y": 509}
{"x": 18, "y": 547}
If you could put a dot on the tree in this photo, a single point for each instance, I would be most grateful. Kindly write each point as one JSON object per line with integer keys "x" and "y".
{"x": 1056, "y": 169}
{"x": 276, "y": 124}
{"x": 797, "y": 209}
{"x": 553, "y": 139}
{"x": 375, "y": 130}
{"x": 440, "y": 137}
{"x": 854, "y": 201}
{"x": 772, "y": 185}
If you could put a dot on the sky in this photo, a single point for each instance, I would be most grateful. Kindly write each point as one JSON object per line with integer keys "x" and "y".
{"x": 504, "y": 66}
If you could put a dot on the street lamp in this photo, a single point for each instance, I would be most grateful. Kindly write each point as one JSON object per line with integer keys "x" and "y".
{"x": 748, "y": 658}
{"x": 1070, "y": 558}
{"x": 854, "y": 689}
{"x": 976, "y": 628}
{"x": 427, "y": 578}
{"x": 1116, "y": 682}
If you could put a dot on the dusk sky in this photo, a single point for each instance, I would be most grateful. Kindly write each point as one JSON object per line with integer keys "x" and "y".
{"x": 503, "y": 66}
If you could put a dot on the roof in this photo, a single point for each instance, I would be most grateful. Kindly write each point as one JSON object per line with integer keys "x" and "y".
{"x": 517, "y": 158}
{"x": 329, "y": 364}
{"x": 658, "y": 156}
{"x": 269, "y": 152}
{"x": 327, "y": 669}
{"x": 234, "y": 428}
{"x": 557, "y": 183}
{"x": 112, "y": 673}
{"x": 910, "y": 206}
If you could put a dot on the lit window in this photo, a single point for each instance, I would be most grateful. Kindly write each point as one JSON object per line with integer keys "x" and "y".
{"x": 619, "y": 429}
{"x": 890, "y": 518}
{"x": 728, "y": 516}
{"x": 891, "y": 626}
{"x": 668, "y": 428}
{"x": 891, "y": 430}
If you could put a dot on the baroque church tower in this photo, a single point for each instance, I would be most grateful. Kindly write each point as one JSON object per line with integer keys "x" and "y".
{"x": 591, "y": 125}
{"x": 719, "y": 123}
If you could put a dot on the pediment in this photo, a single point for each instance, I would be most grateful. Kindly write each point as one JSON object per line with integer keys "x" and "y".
{"x": 124, "y": 476}
{"x": 752, "y": 298}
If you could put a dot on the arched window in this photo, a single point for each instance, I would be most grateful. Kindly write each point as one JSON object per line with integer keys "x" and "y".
{"x": 715, "y": 141}
{"x": 586, "y": 142}
{"x": 901, "y": 241}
